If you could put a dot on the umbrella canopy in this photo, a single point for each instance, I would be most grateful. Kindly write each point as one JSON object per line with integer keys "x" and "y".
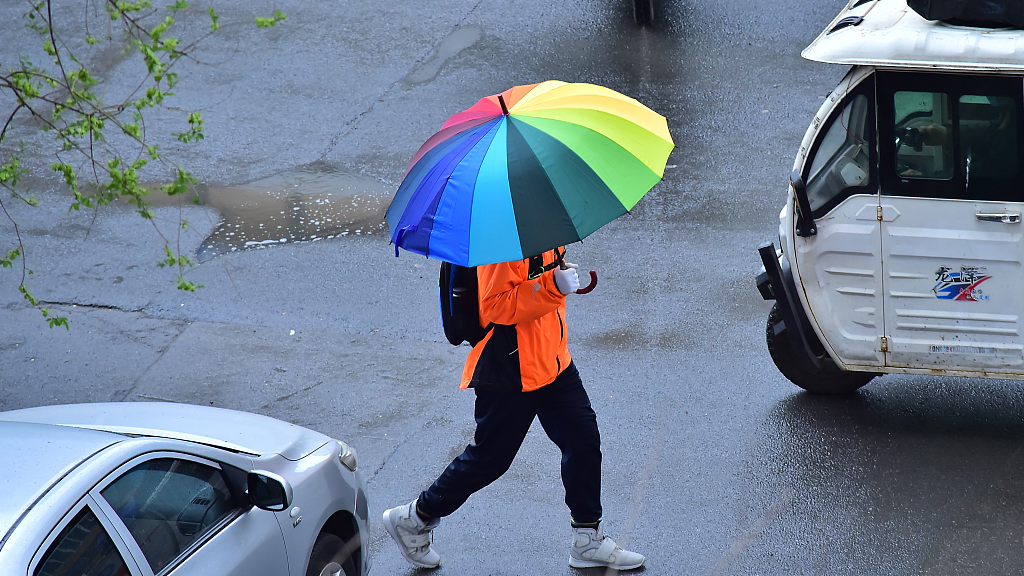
{"x": 527, "y": 170}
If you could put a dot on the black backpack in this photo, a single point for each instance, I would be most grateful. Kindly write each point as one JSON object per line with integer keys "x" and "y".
{"x": 460, "y": 311}
{"x": 460, "y": 299}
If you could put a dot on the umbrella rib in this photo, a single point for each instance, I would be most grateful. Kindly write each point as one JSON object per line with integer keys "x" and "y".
{"x": 543, "y": 210}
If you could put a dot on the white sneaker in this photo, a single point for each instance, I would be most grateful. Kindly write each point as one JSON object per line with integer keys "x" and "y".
{"x": 412, "y": 535}
{"x": 591, "y": 548}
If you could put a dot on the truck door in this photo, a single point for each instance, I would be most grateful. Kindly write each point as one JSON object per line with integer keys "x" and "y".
{"x": 839, "y": 268}
{"x": 950, "y": 169}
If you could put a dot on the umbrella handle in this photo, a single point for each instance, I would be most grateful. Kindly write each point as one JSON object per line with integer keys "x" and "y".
{"x": 591, "y": 286}
{"x": 586, "y": 289}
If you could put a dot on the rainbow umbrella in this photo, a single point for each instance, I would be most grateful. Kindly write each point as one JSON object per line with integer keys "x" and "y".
{"x": 528, "y": 170}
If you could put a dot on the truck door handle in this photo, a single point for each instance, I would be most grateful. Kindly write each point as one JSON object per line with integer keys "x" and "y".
{"x": 1004, "y": 218}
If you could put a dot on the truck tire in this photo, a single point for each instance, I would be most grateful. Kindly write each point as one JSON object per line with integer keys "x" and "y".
{"x": 331, "y": 557}
{"x": 794, "y": 364}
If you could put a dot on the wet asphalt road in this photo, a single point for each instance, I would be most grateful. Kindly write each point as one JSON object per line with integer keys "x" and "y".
{"x": 714, "y": 464}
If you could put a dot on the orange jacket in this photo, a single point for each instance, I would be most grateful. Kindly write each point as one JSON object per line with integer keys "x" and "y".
{"x": 527, "y": 347}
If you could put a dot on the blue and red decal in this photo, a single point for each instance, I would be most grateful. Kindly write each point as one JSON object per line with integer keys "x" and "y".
{"x": 962, "y": 285}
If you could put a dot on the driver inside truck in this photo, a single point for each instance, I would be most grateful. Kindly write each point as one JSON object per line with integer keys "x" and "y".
{"x": 988, "y": 137}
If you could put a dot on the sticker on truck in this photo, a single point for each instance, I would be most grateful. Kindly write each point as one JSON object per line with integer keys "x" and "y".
{"x": 962, "y": 285}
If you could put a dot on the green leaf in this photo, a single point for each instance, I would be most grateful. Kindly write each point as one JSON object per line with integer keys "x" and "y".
{"x": 186, "y": 285}
{"x": 159, "y": 30}
{"x": 169, "y": 260}
{"x": 59, "y": 321}
{"x": 180, "y": 185}
{"x": 132, "y": 130}
{"x": 195, "y": 132}
{"x": 8, "y": 261}
{"x": 125, "y": 6}
{"x": 28, "y": 295}
{"x": 10, "y": 171}
{"x": 272, "y": 21}
{"x": 23, "y": 85}
{"x": 66, "y": 169}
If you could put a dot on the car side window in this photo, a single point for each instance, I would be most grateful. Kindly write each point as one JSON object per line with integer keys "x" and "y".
{"x": 841, "y": 162}
{"x": 83, "y": 548}
{"x": 168, "y": 504}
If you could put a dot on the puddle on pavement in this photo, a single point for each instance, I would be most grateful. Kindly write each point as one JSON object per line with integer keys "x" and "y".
{"x": 310, "y": 203}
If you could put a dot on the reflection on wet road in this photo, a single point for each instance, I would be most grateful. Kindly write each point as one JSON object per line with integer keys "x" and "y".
{"x": 923, "y": 472}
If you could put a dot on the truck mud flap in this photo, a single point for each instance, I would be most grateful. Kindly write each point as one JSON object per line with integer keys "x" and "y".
{"x": 789, "y": 306}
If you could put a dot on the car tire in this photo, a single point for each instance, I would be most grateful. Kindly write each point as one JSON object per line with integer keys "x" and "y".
{"x": 331, "y": 557}
{"x": 800, "y": 370}
{"x": 643, "y": 11}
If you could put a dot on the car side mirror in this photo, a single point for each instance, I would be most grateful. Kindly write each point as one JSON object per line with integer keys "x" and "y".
{"x": 804, "y": 222}
{"x": 268, "y": 491}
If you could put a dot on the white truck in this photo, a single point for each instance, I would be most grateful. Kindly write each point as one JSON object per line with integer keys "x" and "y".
{"x": 901, "y": 246}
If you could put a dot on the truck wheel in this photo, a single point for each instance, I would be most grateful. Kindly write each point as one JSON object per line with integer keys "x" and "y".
{"x": 331, "y": 557}
{"x": 643, "y": 11}
{"x": 794, "y": 364}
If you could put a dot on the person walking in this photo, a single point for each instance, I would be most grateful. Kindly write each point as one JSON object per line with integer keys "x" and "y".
{"x": 520, "y": 370}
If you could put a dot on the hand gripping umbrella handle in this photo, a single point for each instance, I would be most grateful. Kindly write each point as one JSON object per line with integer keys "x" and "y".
{"x": 586, "y": 289}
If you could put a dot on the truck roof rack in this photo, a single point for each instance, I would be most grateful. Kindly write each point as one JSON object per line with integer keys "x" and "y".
{"x": 889, "y": 33}
{"x": 988, "y": 14}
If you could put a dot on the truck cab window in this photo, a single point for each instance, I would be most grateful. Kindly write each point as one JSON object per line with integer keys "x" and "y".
{"x": 989, "y": 138}
{"x": 841, "y": 158}
{"x": 924, "y": 124}
{"x": 951, "y": 136}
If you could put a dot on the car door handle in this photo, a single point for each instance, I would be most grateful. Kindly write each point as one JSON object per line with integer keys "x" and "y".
{"x": 1004, "y": 218}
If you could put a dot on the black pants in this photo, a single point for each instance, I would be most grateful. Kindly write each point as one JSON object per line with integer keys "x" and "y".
{"x": 502, "y": 420}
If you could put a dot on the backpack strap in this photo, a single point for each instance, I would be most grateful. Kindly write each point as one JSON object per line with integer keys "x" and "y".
{"x": 537, "y": 266}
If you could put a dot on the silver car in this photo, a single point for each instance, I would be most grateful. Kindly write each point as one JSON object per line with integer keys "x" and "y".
{"x": 146, "y": 489}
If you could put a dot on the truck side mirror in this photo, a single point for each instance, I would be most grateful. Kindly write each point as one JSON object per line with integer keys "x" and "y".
{"x": 804, "y": 221}
{"x": 268, "y": 491}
